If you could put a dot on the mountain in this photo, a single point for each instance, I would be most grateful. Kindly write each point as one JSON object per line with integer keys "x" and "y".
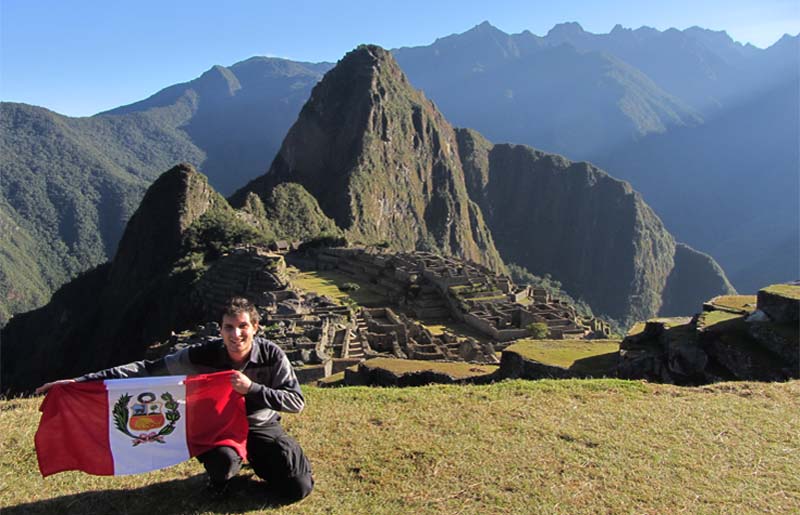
{"x": 704, "y": 127}
{"x": 525, "y": 89}
{"x": 371, "y": 158}
{"x": 730, "y": 185}
{"x": 381, "y": 161}
{"x": 592, "y": 232}
{"x": 69, "y": 185}
{"x": 235, "y": 115}
{"x": 704, "y": 68}
{"x": 386, "y": 166}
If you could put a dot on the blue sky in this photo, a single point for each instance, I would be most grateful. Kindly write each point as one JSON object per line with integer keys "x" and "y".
{"x": 82, "y": 57}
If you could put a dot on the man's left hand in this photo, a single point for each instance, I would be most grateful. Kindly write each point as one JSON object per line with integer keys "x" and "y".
{"x": 240, "y": 382}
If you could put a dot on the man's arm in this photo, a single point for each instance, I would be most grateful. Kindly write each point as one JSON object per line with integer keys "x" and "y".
{"x": 178, "y": 363}
{"x": 276, "y": 386}
{"x": 135, "y": 369}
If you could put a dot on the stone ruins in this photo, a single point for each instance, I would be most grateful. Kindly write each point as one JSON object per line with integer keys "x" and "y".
{"x": 432, "y": 286}
{"x": 321, "y": 338}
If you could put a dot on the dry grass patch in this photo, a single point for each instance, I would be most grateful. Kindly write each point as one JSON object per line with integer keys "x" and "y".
{"x": 740, "y": 303}
{"x": 711, "y": 318}
{"x": 517, "y": 447}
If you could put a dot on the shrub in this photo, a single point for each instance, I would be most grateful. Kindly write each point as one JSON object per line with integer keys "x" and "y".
{"x": 538, "y": 330}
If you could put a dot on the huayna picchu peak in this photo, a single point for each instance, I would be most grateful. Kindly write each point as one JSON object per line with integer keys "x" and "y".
{"x": 382, "y": 162}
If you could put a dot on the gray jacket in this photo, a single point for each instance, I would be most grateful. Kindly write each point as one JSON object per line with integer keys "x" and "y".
{"x": 274, "y": 388}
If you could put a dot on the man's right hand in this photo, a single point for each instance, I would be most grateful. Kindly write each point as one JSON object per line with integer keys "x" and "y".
{"x": 45, "y": 387}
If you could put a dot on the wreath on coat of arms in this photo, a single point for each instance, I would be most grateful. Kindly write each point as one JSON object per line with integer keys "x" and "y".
{"x": 146, "y": 414}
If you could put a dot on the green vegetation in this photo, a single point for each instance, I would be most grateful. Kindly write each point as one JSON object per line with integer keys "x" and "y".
{"x": 457, "y": 370}
{"x": 219, "y": 230}
{"x": 567, "y": 447}
{"x": 563, "y": 353}
{"x": 784, "y": 290}
{"x": 69, "y": 185}
{"x": 296, "y": 214}
{"x": 538, "y": 330}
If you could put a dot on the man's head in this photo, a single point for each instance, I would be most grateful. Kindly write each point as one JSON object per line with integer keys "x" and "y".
{"x": 239, "y": 326}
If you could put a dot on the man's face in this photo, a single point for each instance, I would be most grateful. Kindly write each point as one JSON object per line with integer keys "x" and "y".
{"x": 237, "y": 333}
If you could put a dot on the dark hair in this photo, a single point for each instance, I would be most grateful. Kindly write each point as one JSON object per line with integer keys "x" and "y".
{"x": 238, "y": 305}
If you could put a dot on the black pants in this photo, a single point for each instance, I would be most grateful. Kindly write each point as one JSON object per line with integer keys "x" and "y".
{"x": 275, "y": 457}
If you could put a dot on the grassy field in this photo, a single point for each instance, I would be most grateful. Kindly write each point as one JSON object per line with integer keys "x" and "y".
{"x": 563, "y": 353}
{"x": 789, "y": 291}
{"x": 516, "y": 447}
{"x": 327, "y": 282}
{"x": 456, "y": 370}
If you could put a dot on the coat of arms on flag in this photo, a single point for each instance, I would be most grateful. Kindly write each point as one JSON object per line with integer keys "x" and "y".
{"x": 146, "y": 414}
{"x": 128, "y": 426}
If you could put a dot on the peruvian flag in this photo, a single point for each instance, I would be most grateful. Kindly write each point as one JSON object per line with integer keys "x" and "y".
{"x": 129, "y": 426}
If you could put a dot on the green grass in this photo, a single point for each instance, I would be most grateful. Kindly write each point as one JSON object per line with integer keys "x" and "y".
{"x": 784, "y": 290}
{"x": 563, "y": 353}
{"x": 539, "y": 447}
{"x": 327, "y": 283}
{"x": 457, "y": 370}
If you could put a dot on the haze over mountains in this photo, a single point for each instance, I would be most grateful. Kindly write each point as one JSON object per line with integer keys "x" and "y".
{"x": 704, "y": 127}
{"x": 371, "y": 158}
{"x": 683, "y": 115}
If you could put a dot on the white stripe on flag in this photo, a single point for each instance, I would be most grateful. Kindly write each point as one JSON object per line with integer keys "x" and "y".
{"x": 150, "y": 436}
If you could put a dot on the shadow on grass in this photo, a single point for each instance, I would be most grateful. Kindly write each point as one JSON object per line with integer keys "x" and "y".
{"x": 175, "y": 497}
{"x": 602, "y": 365}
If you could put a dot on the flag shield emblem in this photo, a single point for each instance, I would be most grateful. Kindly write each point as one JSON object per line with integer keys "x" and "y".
{"x": 146, "y": 414}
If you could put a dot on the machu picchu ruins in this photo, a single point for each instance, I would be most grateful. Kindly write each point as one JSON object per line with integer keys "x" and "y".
{"x": 322, "y": 337}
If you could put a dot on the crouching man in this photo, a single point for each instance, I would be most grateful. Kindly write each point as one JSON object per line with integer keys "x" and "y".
{"x": 267, "y": 381}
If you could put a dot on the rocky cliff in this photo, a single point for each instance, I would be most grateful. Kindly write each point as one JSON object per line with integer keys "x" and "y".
{"x": 381, "y": 161}
{"x": 590, "y": 231}
{"x": 735, "y": 337}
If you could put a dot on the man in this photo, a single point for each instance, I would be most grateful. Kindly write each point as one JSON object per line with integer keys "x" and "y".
{"x": 267, "y": 381}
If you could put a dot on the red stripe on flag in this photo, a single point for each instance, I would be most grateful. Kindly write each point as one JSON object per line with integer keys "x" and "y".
{"x": 215, "y": 414}
{"x": 73, "y": 430}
